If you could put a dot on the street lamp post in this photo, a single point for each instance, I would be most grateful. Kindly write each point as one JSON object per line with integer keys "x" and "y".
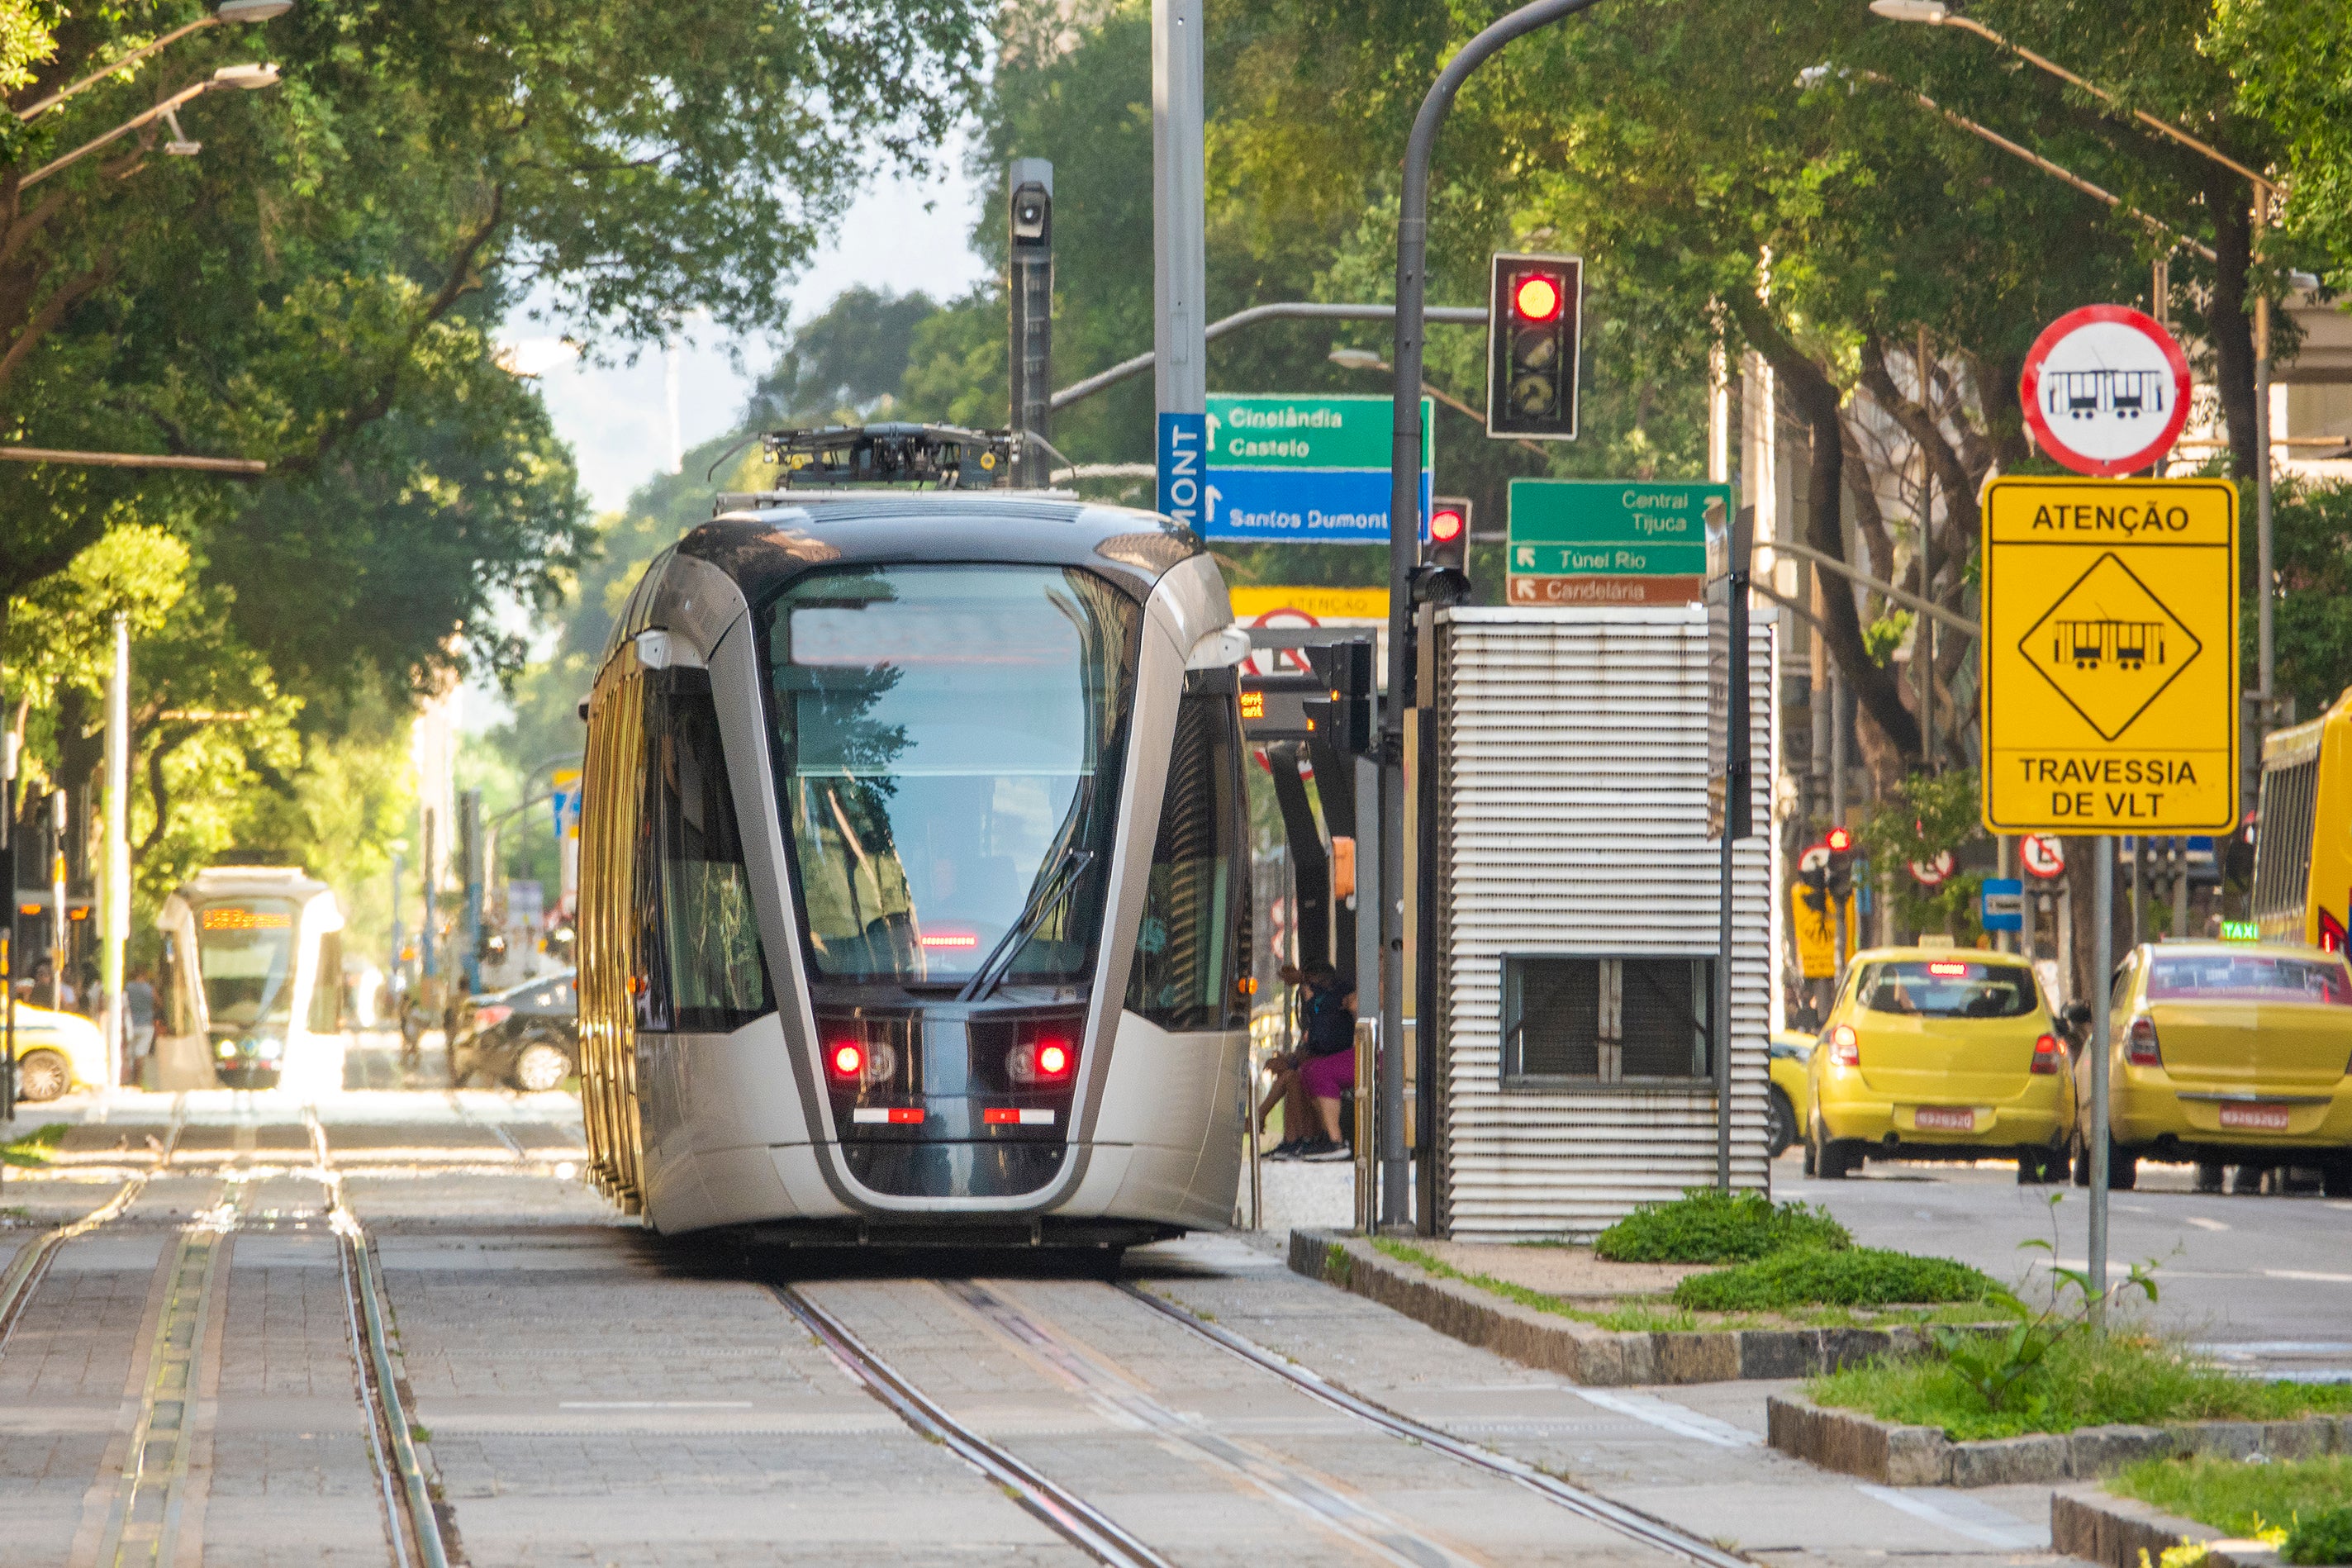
{"x": 1405, "y": 540}
{"x": 244, "y": 77}
{"x": 229, "y": 11}
{"x": 1934, "y": 14}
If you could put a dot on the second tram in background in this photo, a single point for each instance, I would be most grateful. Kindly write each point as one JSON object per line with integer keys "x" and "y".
{"x": 913, "y": 875}
{"x": 2303, "y": 839}
{"x": 250, "y": 996}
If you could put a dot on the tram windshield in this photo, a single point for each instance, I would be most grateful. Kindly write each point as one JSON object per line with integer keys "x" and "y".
{"x": 245, "y": 954}
{"x": 949, "y": 740}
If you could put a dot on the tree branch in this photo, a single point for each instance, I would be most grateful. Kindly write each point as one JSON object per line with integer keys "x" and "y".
{"x": 52, "y": 311}
{"x": 1960, "y": 517}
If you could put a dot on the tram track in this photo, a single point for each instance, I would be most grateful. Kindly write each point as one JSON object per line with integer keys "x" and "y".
{"x": 1374, "y": 1532}
{"x": 31, "y": 1264}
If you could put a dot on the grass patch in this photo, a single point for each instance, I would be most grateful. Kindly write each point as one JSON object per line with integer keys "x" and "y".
{"x": 1852, "y": 1277}
{"x": 37, "y": 1147}
{"x": 1707, "y": 1227}
{"x": 2240, "y": 1499}
{"x": 2325, "y": 1536}
{"x": 2086, "y": 1380}
{"x": 1623, "y": 1319}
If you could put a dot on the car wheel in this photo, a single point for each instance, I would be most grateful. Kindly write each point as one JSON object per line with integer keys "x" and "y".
{"x": 2078, "y": 1157}
{"x": 2123, "y": 1169}
{"x": 1832, "y": 1160}
{"x": 2210, "y": 1176}
{"x": 1782, "y": 1124}
{"x": 2336, "y": 1179}
{"x": 2046, "y": 1169}
{"x": 42, "y": 1075}
{"x": 539, "y": 1066}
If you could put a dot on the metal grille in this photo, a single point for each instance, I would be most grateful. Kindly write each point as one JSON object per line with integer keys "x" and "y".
{"x": 2282, "y": 846}
{"x": 1552, "y": 1017}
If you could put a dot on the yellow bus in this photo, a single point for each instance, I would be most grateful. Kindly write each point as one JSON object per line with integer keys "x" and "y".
{"x": 2303, "y": 839}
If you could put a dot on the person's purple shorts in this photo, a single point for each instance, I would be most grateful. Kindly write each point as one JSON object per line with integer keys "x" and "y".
{"x": 1329, "y": 1078}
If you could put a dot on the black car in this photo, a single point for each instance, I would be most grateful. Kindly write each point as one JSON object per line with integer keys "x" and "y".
{"x": 527, "y": 1035}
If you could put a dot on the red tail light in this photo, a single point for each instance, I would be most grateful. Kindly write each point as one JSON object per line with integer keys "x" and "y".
{"x": 1845, "y": 1047}
{"x": 1043, "y": 1061}
{"x": 2140, "y": 1047}
{"x": 846, "y": 1059}
{"x": 2331, "y": 930}
{"x": 490, "y": 1017}
{"x": 2045, "y": 1054}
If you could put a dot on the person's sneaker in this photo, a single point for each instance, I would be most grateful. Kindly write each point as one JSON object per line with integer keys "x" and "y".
{"x": 1323, "y": 1151}
{"x": 1287, "y": 1149}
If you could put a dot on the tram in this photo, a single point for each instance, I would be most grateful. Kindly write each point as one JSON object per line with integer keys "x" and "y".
{"x": 2303, "y": 875}
{"x": 913, "y": 888}
{"x": 250, "y": 996}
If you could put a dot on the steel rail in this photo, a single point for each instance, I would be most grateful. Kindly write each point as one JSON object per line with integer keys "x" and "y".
{"x": 1076, "y": 1520}
{"x": 1627, "y": 1521}
{"x": 409, "y": 1514}
{"x": 31, "y": 1260}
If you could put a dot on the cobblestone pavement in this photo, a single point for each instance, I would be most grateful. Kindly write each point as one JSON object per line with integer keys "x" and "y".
{"x": 586, "y": 1393}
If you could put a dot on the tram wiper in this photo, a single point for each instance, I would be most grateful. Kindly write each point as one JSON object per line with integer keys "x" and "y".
{"x": 1056, "y": 886}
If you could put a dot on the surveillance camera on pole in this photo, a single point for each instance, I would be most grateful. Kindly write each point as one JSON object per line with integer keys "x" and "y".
{"x": 1030, "y": 291}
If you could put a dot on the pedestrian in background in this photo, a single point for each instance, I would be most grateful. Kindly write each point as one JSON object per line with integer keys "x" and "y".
{"x": 138, "y": 1014}
{"x": 1311, "y": 1081}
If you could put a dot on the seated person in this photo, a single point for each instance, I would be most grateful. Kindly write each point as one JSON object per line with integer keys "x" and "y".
{"x": 1311, "y": 1081}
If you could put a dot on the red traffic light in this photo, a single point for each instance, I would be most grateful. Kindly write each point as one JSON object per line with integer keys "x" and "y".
{"x": 1839, "y": 840}
{"x": 1536, "y": 297}
{"x": 1446, "y": 524}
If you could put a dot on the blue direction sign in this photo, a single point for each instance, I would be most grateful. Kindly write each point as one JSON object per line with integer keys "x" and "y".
{"x": 1304, "y": 470}
{"x": 2003, "y": 904}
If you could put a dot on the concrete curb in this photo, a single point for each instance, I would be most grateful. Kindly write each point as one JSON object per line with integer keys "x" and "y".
{"x": 1598, "y": 1358}
{"x": 2113, "y": 1532}
{"x": 1856, "y": 1445}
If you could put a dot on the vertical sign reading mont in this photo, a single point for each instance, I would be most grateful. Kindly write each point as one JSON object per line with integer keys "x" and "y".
{"x": 1612, "y": 542}
{"x": 2110, "y": 656}
{"x": 1303, "y": 470}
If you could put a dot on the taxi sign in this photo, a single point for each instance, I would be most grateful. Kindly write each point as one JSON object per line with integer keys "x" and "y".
{"x": 2110, "y": 656}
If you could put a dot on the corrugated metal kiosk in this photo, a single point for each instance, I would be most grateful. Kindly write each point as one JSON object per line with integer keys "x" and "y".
{"x": 1576, "y": 925}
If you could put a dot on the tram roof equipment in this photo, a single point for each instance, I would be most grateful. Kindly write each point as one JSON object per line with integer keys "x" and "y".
{"x": 951, "y": 457}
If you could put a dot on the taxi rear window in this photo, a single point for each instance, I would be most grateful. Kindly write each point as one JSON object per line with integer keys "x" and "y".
{"x": 2247, "y": 977}
{"x": 1947, "y": 989}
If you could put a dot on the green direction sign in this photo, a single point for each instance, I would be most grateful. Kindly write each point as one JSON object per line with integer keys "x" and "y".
{"x": 1599, "y": 542}
{"x": 1305, "y": 469}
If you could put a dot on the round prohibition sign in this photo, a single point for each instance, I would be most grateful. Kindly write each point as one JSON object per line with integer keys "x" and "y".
{"x": 1933, "y": 873}
{"x": 2041, "y": 856}
{"x": 2106, "y": 390}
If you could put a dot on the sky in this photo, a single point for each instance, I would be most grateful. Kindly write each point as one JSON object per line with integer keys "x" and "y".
{"x": 618, "y": 420}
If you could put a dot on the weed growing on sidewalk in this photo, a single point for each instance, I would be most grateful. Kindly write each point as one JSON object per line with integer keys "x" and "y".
{"x": 2238, "y": 1498}
{"x": 1704, "y": 1225}
{"x": 37, "y": 1147}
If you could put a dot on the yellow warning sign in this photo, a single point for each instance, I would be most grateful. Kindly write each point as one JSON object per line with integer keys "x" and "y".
{"x": 1808, "y": 918}
{"x": 2110, "y": 656}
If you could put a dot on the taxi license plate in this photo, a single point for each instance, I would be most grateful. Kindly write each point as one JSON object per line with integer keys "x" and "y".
{"x": 1945, "y": 1118}
{"x": 2255, "y": 1117}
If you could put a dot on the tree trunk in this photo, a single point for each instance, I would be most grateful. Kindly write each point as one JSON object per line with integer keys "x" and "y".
{"x": 1817, "y": 400}
{"x": 2227, "y": 322}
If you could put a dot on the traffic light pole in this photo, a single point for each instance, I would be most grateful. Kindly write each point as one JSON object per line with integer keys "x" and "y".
{"x": 1405, "y": 530}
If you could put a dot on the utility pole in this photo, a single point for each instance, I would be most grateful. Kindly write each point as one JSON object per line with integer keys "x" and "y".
{"x": 57, "y": 899}
{"x": 1030, "y": 292}
{"x": 116, "y": 899}
{"x": 470, "y": 830}
{"x": 1180, "y": 369}
{"x": 1404, "y": 536}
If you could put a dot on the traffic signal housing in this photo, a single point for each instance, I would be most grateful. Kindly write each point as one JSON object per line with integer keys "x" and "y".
{"x": 1535, "y": 307}
{"x": 1449, "y": 534}
{"x": 1839, "y": 841}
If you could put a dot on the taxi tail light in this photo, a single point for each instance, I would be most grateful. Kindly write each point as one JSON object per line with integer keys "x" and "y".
{"x": 2331, "y": 930}
{"x": 2045, "y": 1054}
{"x": 2140, "y": 1047}
{"x": 1845, "y": 1046}
{"x": 490, "y": 1017}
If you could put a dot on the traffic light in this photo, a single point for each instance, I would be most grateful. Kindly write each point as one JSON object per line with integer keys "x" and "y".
{"x": 1348, "y": 669}
{"x": 1839, "y": 841}
{"x": 1449, "y": 534}
{"x": 1534, "y": 310}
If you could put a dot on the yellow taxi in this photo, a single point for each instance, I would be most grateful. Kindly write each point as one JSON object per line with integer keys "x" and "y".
{"x": 2227, "y": 1053}
{"x": 1940, "y": 1054}
{"x": 56, "y": 1052}
{"x": 1790, "y": 1051}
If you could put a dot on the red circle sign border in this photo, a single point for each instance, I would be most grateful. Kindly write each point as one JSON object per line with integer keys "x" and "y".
{"x": 2025, "y": 860}
{"x": 2028, "y": 388}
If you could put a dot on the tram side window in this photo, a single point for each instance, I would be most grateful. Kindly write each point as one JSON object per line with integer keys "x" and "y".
{"x": 697, "y": 935}
{"x": 326, "y": 985}
{"x": 1195, "y": 905}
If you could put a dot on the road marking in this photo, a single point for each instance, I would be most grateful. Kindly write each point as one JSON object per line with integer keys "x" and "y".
{"x": 1668, "y": 1417}
{"x": 2323, "y": 1277}
{"x": 2201, "y": 1222}
{"x": 1980, "y": 1522}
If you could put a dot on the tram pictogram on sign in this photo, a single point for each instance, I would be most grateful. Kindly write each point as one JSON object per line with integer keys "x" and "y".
{"x": 2109, "y": 647}
{"x": 2106, "y": 390}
